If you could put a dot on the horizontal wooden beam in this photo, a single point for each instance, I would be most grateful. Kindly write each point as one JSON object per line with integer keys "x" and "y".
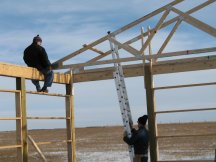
{"x": 188, "y": 135}
{"x": 11, "y": 70}
{"x": 174, "y": 66}
{"x": 184, "y": 86}
{"x": 185, "y": 110}
{"x": 10, "y": 147}
{"x": 147, "y": 57}
{"x": 186, "y": 161}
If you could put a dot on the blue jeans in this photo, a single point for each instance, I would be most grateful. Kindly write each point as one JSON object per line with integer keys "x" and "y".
{"x": 48, "y": 79}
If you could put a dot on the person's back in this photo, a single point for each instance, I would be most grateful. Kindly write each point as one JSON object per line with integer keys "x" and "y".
{"x": 35, "y": 56}
{"x": 139, "y": 140}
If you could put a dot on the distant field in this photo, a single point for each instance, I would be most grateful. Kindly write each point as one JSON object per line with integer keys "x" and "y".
{"x": 105, "y": 143}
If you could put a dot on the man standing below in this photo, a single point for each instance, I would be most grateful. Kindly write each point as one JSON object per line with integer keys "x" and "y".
{"x": 35, "y": 56}
{"x": 139, "y": 140}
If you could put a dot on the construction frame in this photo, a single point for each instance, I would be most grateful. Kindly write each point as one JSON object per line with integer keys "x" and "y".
{"x": 151, "y": 64}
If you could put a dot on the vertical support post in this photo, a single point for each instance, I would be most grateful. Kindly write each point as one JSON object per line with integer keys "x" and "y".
{"x": 150, "y": 98}
{"x": 71, "y": 145}
{"x": 20, "y": 85}
{"x": 19, "y": 126}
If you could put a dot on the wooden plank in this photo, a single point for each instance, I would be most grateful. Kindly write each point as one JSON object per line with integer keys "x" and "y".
{"x": 37, "y": 148}
{"x": 130, "y": 25}
{"x": 94, "y": 49}
{"x": 20, "y": 85}
{"x": 162, "y": 26}
{"x": 17, "y": 122}
{"x": 53, "y": 142}
{"x": 184, "y": 65}
{"x": 47, "y": 118}
{"x": 8, "y": 90}
{"x": 196, "y": 23}
{"x": 70, "y": 123}
{"x": 149, "y": 46}
{"x": 47, "y": 94}
{"x": 160, "y": 22}
{"x": 188, "y": 135}
{"x": 30, "y": 73}
{"x": 10, "y": 147}
{"x": 168, "y": 38}
{"x": 152, "y": 124}
{"x": 186, "y": 161}
{"x": 126, "y": 47}
{"x": 153, "y": 56}
{"x": 185, "y": 110}
{"x": 184, "y": 86}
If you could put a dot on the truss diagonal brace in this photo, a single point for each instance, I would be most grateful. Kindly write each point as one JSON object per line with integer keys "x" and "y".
{"x": 94, "y": 49}
{"x": 195, "y": 22}
{"x": 126, "y": 47}
{"x": 155, "y": 30}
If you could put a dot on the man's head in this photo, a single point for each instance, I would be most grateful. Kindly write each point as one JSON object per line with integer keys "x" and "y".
{"x": 37, "y": 40}
{"x": 142, "y": 120}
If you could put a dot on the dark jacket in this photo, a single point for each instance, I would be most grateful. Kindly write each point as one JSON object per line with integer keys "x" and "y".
{"x": 36, "y": 56}
{"x": 139, "y": 140}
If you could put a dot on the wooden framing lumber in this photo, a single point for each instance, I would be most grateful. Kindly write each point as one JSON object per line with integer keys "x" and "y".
{"x": 190, "y": 64}
{"x": 196, "y": 23}
{"x": 37, "y": 148}
{"x": 47, "y": 118}
{"x": 168, "y": 38}
{"x": 53, "y": 142}
{"x": 128, "y": 59}
{"x": 20, "y": 85}
{"x": 160, "y": 22}
{"x": 9, "y": 147}
{"x": 11, "y": 70}
{"x": 188, "y": 135}
{"x": 70, "y": 123}
{"x": 126, "y": 47}
{"x": 152, "y": 124}
{"x": 19, "y": 125}
{"x": 47, "y": 94}
{"x": 183, "y": 65}
{"x": 184, "y": 110}
{"x": 186, "y": 161}
{"x": 131, "y": 25}
{"x": 184, "y": 86}
{"x": 119, "y": 31}
{"x": 94, "y": 49}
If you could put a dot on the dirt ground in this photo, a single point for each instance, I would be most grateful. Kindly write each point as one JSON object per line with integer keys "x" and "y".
{"x": 105, "y": 143}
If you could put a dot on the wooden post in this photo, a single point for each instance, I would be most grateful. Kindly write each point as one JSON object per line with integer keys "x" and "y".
{"x": 19, "y": 126}
{"x": 20, "y": 85}
{"x": 71, "y": 145}
{"x": 150, "y": 99}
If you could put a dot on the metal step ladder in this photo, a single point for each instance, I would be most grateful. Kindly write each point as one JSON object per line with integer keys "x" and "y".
{"x": 122, "y": 95}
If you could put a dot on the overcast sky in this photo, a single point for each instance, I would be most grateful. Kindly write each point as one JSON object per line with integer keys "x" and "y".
{"x": 66, "y": 25}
